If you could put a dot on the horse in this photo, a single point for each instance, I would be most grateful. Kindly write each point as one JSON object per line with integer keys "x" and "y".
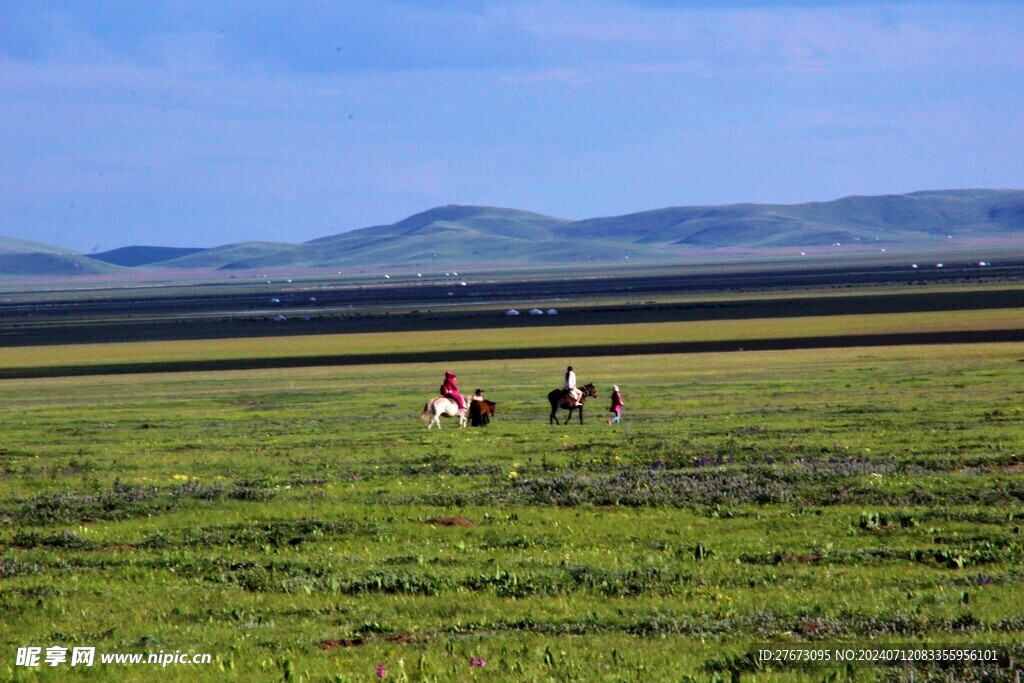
{"x": 480, "y": 412}
{"x": 559, "y": 398}
{"x": 442, "y": 405}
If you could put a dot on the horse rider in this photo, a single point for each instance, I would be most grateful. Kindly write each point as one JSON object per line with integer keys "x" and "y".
{"x": 450, "y": 389}
{"x": 575, "y": 394}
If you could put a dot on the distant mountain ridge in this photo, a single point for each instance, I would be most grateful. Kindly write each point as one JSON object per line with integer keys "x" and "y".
{"x": 478, "y": 234}
{"x": 133, "y": 257}
{"x": 26, "y": 258}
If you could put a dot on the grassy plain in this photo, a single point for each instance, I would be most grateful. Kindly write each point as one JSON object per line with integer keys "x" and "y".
{"x": 303, "y": 524}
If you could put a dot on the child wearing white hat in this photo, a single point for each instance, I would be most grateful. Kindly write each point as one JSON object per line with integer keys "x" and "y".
{"x": 616, "y": 405}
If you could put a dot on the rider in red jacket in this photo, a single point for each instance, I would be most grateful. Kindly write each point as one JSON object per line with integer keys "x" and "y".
{"x": 451, "y": 389}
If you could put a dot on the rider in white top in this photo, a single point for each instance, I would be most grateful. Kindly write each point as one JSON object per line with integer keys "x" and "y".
{"x": 570, "y": 385}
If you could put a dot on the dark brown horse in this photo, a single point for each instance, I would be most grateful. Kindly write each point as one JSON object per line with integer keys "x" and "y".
{"x": 480, "y": 412}
{"x": 559, "y": 398}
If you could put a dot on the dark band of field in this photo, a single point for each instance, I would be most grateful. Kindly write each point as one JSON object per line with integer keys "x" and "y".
{"x": 723, "y": 312}
{"x": 320, "y": 308}
{"x": 465, "y": 355}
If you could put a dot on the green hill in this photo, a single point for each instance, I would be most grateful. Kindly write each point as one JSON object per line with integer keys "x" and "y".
{"x": 487, "y": 234}
{"x": 132, "y": 257}
{"x": 456, "y": 234}
{"x": 34, "y": 259}
{"x": 895, "y": 219}
{"x": 11, "y": 245}
{"x": 239, "y": 256}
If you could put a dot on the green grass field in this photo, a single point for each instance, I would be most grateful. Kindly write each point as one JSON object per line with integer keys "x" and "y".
{"x": 304, "y": 525}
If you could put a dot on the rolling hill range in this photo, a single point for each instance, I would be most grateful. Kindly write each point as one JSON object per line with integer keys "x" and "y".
{"x": 456, "y": 234}
{"x": 25, "y": 258}
{"x": 141, "y": 256}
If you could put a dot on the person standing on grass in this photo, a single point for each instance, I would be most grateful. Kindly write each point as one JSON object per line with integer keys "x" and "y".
{"x": 616, "y": 405}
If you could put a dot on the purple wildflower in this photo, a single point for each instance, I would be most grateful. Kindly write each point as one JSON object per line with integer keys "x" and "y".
{"x": 381, "y": 671}
{"x": 477, "y": 661}
{"x": 981, "y": 580}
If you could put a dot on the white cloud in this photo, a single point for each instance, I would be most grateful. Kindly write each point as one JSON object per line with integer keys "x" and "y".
{"x": 858, "y": 35}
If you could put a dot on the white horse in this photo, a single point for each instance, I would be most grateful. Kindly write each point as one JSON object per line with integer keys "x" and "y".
{"x": 442, "y": 405}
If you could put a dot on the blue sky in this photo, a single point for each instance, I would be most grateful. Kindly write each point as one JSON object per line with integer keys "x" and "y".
{"x": 200, "y": 123}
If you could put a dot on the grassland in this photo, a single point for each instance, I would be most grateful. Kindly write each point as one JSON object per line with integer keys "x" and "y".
{"x": 303, "y": 525}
